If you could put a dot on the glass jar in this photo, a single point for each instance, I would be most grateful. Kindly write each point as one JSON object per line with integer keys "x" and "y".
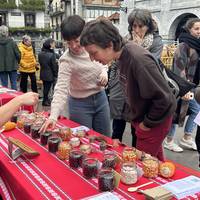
{"x": 75, "y": 158}
{"x": 150, "y": 167}
{"x": 86, "y": 148}
{"x": 103, "y": 146}
{"x": 21, "y": 118}
{"x": 80, "y": 133}
{"x": 53, "y": 143}
{"x": 65, "y": 133}
{"x": 90, "y": 167}
{"x": 106, "y": 180}
{"x": 27, "y": 127}
{"x": 14, "y": 118}
{"x": 44, "y": 137}
{"x": 75, "y": 142}
{"x": 35, "y": 131}
{"x": 110, "y": 160}
{"x": 129, "y": 173}
{"x": 129, "y": 154}
{"x": 64, "y": 149}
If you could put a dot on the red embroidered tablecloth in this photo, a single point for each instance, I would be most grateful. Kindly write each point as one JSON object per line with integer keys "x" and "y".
{"x": 47, "y": 177}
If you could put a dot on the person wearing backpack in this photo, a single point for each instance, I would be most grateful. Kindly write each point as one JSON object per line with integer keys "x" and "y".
{"x": 186, "y": 64}
{"x": 143, "y": 30}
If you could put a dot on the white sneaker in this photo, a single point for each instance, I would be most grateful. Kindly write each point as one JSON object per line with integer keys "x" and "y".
{"x": 172, "y": 146}
{"x": 190, "y": 144}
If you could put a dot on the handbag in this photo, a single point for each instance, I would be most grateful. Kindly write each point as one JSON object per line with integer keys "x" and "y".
{"x": 179, "y": 85}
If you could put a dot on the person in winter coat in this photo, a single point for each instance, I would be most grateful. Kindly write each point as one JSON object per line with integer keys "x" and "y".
{"x": 142, "y": 31}
{"x": 187, "y": 65}
{"x": 9, "y": 59}
{"x": 150, "y": 98}
{"x": 48, "y": 69}
{"x": 27, "y": 65}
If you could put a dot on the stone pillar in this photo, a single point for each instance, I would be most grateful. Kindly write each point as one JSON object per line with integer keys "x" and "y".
{"x": 123, "y": 21}
{"x": 164, "y": 17}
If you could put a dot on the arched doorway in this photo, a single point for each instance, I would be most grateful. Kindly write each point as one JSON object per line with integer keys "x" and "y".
{"x": 178, "y": 24}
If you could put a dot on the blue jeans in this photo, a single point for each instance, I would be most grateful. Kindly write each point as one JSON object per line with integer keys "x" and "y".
{"x": 92, "y": 111}
{"x": 13, "y": 79}
{"x": 194, "y": 109}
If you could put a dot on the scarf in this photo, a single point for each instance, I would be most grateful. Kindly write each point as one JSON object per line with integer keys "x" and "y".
{"x": 193, "y": 43}
{"x": 146, "y": 42}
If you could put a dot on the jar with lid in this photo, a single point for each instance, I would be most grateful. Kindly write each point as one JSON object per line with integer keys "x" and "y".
{"x": 44, "y": 137}
{"x": 129, "y": 154}
{"x": 106, "y": 180}
{"x": 21, "y": 118}
{"x": 14, "y": 118}
{"x": 109, "y": 160}
{"x": 53, "y": 143}
{"x": 64, "y": 149}
{"x": 35, "y": 131}
{"x": 150, "y": 167}
{"x": 90, "y": 168}
{"x": 65, "y": 133}
{"x": 129, "y": 173}
{"x": 75, "y": 158}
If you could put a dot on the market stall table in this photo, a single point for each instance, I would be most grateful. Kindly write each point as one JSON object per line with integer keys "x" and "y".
{"x": 48, "y": 177}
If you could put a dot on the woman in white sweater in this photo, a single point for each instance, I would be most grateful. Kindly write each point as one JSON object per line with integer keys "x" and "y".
{"x": 81, "y": 83}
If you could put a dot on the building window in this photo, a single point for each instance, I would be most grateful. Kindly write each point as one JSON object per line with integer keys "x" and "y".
{"x": 29, "y": 20}
{"x": 2, "y": 19}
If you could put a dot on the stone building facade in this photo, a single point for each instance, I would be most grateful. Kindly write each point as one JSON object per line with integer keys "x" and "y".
{"x": 170, "y": 15}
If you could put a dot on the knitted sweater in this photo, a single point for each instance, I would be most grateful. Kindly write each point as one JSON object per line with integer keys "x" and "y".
{"x": 28, "y": 61}
{"x": 78, "y": 77}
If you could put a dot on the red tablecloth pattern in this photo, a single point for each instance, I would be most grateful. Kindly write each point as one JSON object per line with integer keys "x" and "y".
{"x": 47, "y": 177}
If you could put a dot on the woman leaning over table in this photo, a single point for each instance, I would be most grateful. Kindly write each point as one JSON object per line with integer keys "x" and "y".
{"x": 144, "y": 32}
{"x": 150, "y": 99}
{"x": 81, "y": 83}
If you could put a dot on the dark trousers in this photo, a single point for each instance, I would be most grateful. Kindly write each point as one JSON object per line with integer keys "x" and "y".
{"x": 118, "y": 127}
{"x": 46, "y": 88}
{"x": 197, "y": 140}
{"x": 24, "y": 80}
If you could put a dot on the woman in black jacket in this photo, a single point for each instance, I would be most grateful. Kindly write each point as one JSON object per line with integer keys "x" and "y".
{"x": 49, "y": 68}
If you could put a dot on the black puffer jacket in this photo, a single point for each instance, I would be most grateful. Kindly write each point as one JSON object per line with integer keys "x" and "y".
{"x": 48, "y": 65}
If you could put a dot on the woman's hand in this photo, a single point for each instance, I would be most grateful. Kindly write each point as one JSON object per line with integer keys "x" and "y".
{"x": 188, "y": 96}
{"x": 116, "y": 142}
{"x": 49, "y": 123}
{"x": 136, "y": 38}
{"x": 103, "y": 78}
{"x": 29, "y": 98}
{"x": 143, "y": 127}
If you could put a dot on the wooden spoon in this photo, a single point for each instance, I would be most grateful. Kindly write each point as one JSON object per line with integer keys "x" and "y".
{"x": 133, "y": 189}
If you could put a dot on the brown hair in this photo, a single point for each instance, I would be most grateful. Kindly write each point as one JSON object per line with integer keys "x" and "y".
{"x": 101, "y": 33}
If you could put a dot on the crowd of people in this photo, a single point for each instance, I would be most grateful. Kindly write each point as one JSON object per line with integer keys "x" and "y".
{"x": 98, "y": 56}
